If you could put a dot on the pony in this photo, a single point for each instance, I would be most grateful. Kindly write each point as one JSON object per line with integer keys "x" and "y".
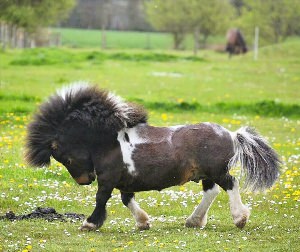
{"x": 99, "y": 136}
{"x": 235, "y": 42}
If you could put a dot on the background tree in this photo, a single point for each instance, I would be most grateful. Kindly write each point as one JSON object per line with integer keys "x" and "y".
{"x": 123, "y": 15}
{"x": 208, "y": 19}
{"x": 276, "y": 19}
{"x": 194, "y": 16}
{"x": 32, "y": 14}
{"x": 238, "y": 5}
{"x": 169, "y": 16}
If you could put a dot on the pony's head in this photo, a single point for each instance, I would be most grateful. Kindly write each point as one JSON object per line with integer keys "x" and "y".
{"x": 73, "y": 123}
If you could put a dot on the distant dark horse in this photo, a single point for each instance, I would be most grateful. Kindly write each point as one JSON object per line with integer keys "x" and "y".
{"x": 96, "y": 134}
{"x": 235, "y": 42}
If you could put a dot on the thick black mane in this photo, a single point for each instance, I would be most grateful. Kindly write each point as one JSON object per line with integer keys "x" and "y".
{"x": 94, "y": 108}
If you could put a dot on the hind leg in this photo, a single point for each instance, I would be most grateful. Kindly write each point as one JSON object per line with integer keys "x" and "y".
{"x": 141, "y": 217}
{"x": 240, "y": 213}
{"x": 199, "y": 217}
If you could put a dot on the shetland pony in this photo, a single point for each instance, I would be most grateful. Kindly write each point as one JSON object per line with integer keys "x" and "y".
{"x": 97, "y": 135}
{"x": 235, "y": 42}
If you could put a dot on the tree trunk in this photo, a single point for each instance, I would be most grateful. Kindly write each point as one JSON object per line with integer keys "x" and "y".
{"x": 103, "y": 37}
{"x": 196, "y": 40}
{"x": 178, "y": 39}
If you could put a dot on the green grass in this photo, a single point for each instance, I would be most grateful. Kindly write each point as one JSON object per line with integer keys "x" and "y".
{"x": 78, "y": 38}
{"x": 175, "y": 89}
{"x": 122, "y": 40}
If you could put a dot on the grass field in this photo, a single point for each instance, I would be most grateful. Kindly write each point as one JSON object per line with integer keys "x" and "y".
{"x": 176, "y": 88}
{"x": 125, "y": 39}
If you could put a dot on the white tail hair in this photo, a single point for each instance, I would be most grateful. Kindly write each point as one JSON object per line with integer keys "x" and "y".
{"x": 259, "y": 162}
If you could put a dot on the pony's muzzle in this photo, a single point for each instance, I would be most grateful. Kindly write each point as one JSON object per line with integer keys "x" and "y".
{"x": 86, "y": 179}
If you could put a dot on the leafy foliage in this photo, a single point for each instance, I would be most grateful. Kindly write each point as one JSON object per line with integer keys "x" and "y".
{"x": 31, "y": 14}
{"x": 276, "y": 19}
{"x": 164, "y": 15}
{"x": 189, "y": 16}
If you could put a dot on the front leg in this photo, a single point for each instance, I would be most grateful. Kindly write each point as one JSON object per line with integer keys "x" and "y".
{"x": 141, "y": 217}
{"x": 98, "y": 216}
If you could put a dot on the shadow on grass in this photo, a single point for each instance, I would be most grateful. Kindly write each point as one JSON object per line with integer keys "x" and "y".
{"x": 41, "y": 56}
{"x": 267, "y": 108}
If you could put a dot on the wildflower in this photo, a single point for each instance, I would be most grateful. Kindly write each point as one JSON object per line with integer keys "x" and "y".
{"x": 182, "y": 188}
{"x": 296, "y": 193}
{"x": 164, "y": 116}
{"x": 130, "y": 243}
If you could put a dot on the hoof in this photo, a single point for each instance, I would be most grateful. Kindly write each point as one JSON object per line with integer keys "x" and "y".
{"x": 87, "y": 226}
{"x": 143, "y": 226}
{"x": 241, "y": 219}
{"x": 192, "y": 222}
{"x": 241, "y": 222}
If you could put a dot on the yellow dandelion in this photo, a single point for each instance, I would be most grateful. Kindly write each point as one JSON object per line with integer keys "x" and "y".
{"x": 130, "y": 243}
{"x": 29, "y": 247}
{"x": 180, "y": 100}
{"x": 164, "y": 116}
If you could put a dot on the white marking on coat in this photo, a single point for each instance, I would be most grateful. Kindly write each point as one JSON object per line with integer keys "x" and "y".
{"x": 176, "y": 127}
{"x": 141, "y": 217}
{"x": 218, "y": 129}
{"x": 173, "y": 129}
{"x": 199, "y": 216}
{"x": 128, "y": 147}
{"x": 240, "y": 213}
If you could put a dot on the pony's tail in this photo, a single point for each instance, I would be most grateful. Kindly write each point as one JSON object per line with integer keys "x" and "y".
{"x": 259, "y": 162}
